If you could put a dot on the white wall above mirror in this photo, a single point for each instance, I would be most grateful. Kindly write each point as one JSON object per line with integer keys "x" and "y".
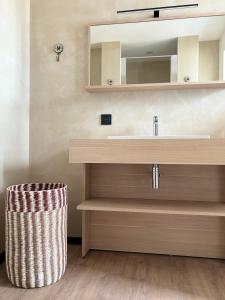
{"x": 160, "y": 53}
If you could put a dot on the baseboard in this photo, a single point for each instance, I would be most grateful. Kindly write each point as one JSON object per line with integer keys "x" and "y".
{"x": 2, "y": 257}
{"x": 74, "y": 240}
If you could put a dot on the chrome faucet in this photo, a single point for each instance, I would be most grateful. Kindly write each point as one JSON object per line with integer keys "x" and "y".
{"x": 155, "y": 167}
{"x": 155, "y": 126}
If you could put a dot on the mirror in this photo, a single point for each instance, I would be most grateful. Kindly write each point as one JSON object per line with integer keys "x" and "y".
{"x": 159, "y": 51}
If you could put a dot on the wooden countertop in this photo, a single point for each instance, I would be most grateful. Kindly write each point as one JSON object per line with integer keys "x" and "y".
{"x": 171, "y": 151}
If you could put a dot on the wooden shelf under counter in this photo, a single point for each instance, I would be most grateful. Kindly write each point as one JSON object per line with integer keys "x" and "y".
{"x": 167, "y": 207}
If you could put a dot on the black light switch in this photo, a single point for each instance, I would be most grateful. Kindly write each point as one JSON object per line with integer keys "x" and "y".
{"x": 106, "y": 119}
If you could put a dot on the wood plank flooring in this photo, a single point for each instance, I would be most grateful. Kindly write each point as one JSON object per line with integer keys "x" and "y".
{"x": 128, "y": 276}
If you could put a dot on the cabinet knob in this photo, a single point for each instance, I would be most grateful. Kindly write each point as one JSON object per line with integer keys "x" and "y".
{"x": 110, "y": 82}
{"x": 187, "y": 79}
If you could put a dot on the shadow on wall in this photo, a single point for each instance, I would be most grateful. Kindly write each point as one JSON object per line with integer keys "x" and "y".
{"x": 55, "y": 167}
{"x": 10, "y": 176}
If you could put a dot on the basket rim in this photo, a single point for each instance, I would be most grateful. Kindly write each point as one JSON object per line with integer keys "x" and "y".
{"x": 11, "y": 190}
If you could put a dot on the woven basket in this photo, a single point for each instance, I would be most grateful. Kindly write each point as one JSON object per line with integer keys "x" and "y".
{"x": 36, "y": 234}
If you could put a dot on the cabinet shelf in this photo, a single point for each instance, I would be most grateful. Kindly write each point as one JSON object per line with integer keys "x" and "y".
{"x": 167, "y": 207}
{"x": 155, "y": 86}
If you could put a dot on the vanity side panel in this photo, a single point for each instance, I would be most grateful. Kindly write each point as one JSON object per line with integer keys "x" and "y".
{"x": 85, "y": 214}
{"x": 86, "y": 228}
{"x": 86, "y": 181}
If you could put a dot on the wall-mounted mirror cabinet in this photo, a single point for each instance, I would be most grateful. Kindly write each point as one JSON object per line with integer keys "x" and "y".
{"x": 162, "y": 54}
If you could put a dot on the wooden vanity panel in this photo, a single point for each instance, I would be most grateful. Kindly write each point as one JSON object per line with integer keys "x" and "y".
{"x": 180, "y": 182}
{"x": 85, "y": 232}
{"x": 146, "y": 233}
{"x": 86, "y": 183}
{"x": 85, "y": 214}
{"x": 176, "y": 151}
{"x": 160, "y": 221}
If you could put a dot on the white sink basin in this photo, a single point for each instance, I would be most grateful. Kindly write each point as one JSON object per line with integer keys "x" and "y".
{"x": 168, "y": 137}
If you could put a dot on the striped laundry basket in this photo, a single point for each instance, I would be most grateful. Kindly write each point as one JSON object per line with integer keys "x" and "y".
{"x": 36, "y": 234}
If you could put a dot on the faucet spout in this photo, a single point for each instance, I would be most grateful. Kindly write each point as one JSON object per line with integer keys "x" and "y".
{"x": 155, "y": 177}
{"x": 155, "y": 126}
{"x": 155, "y": 167}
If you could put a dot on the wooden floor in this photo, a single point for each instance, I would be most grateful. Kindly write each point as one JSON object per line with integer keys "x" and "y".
{"x": 127, "y": 276}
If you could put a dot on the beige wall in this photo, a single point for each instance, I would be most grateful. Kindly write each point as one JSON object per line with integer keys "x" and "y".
{"x": 209, "y": 61}
{"x": 148, "y": 72}
{"x": 14, "y": 97}
{"x": 61, "y": 109}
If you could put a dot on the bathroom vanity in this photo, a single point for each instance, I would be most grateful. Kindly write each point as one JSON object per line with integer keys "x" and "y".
{"x": 122, "y": 212}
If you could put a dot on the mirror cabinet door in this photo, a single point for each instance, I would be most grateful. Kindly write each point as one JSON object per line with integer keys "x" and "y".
{"x": 159, "y": 51}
